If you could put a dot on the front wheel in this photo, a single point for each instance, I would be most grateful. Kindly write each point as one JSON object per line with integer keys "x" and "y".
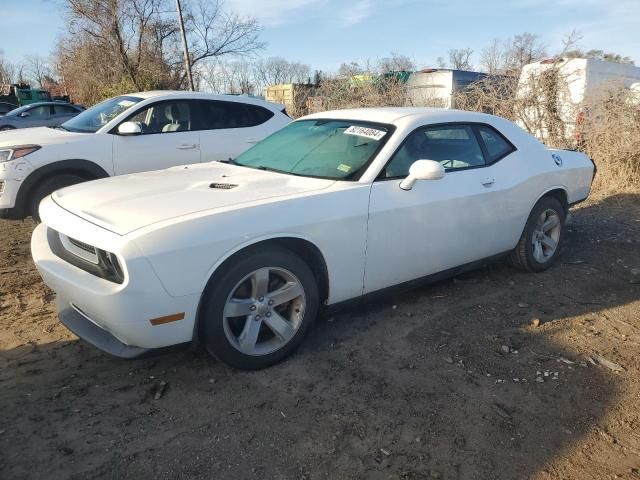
{"x": 4, "y": 128}
{"x": 540, "y": 240}
{"x": 257, "y": 310}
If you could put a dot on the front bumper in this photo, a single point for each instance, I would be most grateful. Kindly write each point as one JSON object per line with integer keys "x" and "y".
{"x": 115, "y": 317}
{"x": 8, "y": 193}
{"x": 87, "y": 330}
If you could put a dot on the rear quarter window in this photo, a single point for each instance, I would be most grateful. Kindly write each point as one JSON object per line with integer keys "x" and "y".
{"x": 497, "y": 146}
{"x": 220, "y": 115}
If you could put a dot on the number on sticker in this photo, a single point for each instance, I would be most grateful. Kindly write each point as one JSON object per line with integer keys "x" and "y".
{"x": 366, "y": 132}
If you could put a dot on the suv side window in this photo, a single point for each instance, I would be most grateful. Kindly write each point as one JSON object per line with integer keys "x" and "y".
{"x": 454, "y": 146}
{"x": 219, "y": 115}
{"x": 496, "y": 145}
{"x": 165, "y": 117}
{"x": 258, "y": 115}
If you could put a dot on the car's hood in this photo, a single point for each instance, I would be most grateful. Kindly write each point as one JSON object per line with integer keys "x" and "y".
{"x": 39, "y": 136}
{"x": 129, "y": 202}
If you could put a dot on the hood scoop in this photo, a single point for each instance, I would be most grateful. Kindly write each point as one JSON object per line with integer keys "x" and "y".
{"x": 223, "y": 186}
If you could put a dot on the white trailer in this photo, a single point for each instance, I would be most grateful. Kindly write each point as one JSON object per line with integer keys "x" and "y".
{"x": 436, "y": 87}
{"x": 578, "y": 79}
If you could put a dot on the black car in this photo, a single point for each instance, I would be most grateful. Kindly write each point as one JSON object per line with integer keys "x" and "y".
{"x": 6, "y": 107}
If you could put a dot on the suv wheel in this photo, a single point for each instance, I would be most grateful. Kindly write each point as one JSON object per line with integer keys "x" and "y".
{"x": 47, "y": 187}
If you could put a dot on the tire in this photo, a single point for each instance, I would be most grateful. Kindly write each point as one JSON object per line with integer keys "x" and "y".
{"x": 239, "y": 289}
{"x": 535, "y": 251}
{"x": 4, "y": 128}
{"x": 47, "y": 187}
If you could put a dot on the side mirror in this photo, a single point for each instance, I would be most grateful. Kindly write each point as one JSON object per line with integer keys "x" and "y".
{"x": 24, "y": 114}
{"x": 129, "y": 128}
{"x": 422, "y": 170}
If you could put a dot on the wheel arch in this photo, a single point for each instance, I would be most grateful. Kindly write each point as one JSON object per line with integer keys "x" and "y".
{"x": 303, "y": 247}
{"x": 83, "y": 168}
{"x": 559, "y": 193}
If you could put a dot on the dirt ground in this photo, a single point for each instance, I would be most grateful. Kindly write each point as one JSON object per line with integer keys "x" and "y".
{"x": 450, "y": 381}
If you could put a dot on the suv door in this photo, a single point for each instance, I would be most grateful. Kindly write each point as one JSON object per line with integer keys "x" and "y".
{"x": 230, "y": 128}
{"x": 440, "y": 224}
{"x": 168, "y": 138}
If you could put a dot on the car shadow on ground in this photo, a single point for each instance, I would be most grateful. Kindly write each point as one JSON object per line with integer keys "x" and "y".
{"x": 453, "y": 380}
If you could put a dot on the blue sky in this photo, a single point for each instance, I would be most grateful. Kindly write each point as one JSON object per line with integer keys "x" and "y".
{"x": 325, "y": 33}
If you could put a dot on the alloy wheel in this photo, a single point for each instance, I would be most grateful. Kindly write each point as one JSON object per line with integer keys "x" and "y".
{"x": 546, "y": 235}
{"x": 264, "y": 311}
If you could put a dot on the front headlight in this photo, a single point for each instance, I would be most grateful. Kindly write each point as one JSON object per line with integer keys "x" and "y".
{"x": 11, "y": 153}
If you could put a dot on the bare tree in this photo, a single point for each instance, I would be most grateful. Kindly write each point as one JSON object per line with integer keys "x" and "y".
{"x": 275, "y": 70}
{"x": 115, "y": 46}
{"x": 350, "y": 69}
{"x": 522, "y": 50}
{"x": 38, "y": 69}
{"x": 7, "y": 70}
{"x": 235, "y": 77}
{"x": 395, "y": 63}
{"x": 492, "y": 57}
{"x": 441, "y": 62}
{"x": 460, "y": 58}
{"x": 214, "y": 32}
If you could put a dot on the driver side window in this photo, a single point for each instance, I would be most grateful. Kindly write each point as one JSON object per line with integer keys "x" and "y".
{"x": 455, "y": 147}
{"x": 164, "y": 117}
{"x": 39, "y": 111}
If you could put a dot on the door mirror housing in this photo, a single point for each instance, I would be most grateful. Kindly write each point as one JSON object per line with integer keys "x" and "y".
{"x": 422, "y": 170}
{"x": 24, "y": 114}
{"x": 129, "y": 128}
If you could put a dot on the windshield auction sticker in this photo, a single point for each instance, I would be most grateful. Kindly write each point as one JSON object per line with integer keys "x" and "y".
{"x": 366, "y": 132}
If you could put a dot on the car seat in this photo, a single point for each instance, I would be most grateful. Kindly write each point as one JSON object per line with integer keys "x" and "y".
{"x": 178, "y": 117}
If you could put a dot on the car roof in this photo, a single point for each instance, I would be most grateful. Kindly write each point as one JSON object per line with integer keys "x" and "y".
{"x": 392, "y": 115}
{"x": 35, "y": 104}
{"x": 201, "y": 95}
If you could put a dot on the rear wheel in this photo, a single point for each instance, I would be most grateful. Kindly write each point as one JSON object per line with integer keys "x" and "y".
{"x": 541, "y": 238}
{"x": 47, "y": 187}
{"x": 257, "y": 310}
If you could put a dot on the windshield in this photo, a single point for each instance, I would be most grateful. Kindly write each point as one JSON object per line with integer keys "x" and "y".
{"x": 336, "y": 149}
{"x": 99, "y": 115}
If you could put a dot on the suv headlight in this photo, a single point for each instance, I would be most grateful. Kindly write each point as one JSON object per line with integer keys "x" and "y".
{"x": 11, "y": 153}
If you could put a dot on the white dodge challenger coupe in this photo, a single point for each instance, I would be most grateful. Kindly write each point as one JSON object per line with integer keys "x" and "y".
{"x": 242, "y": 255}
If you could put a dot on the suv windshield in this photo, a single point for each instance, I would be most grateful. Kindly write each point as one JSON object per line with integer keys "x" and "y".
{"x": 336, "y": 149}
{"x": 99, "y": 115}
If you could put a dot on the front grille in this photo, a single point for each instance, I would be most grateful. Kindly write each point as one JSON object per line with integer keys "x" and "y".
{"x": 84, "y": 246}
{"x": 80, "y": 249}
{"x": 1, "y": 186}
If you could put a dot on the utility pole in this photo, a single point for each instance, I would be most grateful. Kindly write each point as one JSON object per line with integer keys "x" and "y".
{"x": 187, "y": 62}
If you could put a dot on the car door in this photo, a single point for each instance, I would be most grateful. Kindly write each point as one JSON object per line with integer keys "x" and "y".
{"x": 230, "y": 128}
{"x": 168, "y": 137}
{"x": 438, "y": 224}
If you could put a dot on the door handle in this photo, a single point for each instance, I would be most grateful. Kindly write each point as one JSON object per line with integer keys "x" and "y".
{"x": 487, "y": 182}
{"x": 253, "y": 140}
{"x": 187, "y": 146}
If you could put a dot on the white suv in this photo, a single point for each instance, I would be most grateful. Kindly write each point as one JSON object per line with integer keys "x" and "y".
{"x": 128, "y": 134}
